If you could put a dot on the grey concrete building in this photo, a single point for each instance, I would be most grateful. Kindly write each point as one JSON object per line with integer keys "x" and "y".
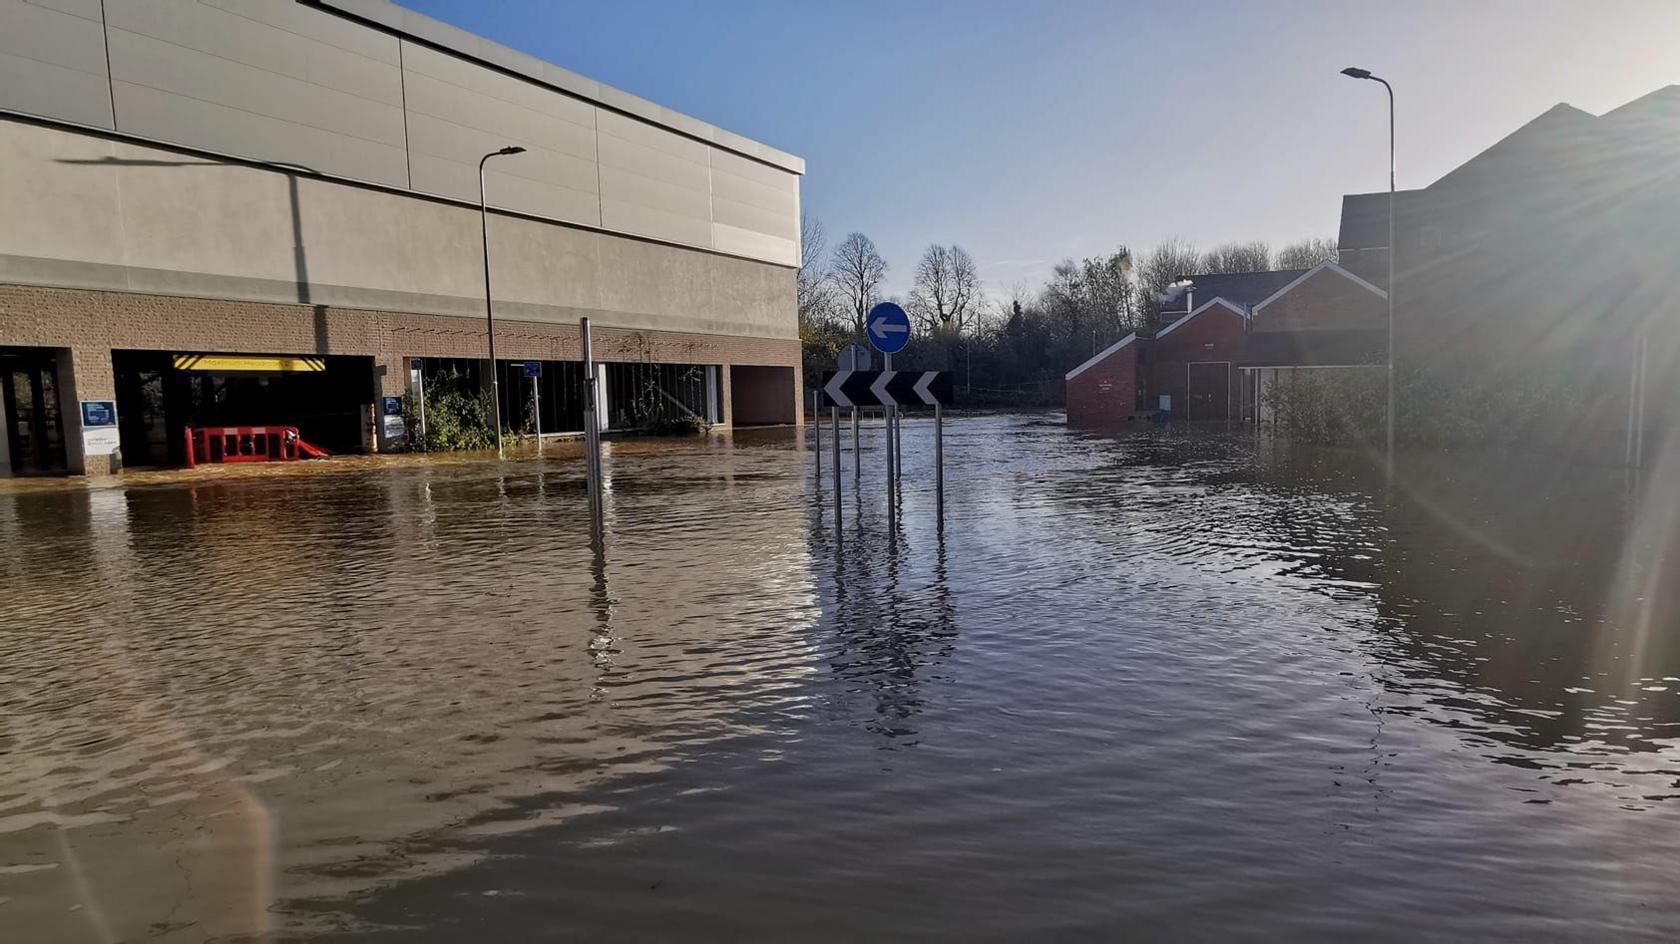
{"x": 240, "y": 211}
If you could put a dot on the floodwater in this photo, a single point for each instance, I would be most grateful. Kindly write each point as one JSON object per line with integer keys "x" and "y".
{"x": 1157, "y": 685}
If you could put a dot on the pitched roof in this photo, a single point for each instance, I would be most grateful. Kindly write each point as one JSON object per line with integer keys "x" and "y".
{"x": 1240, "y": 288}
{"x": 1100, "y": 356}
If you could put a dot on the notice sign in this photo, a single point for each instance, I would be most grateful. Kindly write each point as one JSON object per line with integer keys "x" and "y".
{"x": 99, "y": 427}
{"x": 392, "y": 424}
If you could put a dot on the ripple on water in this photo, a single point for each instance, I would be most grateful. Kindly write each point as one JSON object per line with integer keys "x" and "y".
{"x": 1155, "y": 684}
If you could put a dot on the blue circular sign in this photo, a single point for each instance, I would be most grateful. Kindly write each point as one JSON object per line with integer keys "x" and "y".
{"x": 888, "y": 328}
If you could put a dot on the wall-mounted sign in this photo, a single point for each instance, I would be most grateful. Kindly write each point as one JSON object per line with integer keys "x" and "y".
{"x": 99, "y": 427}
{"x": 391, "y": 405}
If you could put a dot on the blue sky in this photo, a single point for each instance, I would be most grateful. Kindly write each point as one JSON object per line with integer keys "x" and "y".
{"x": 1031, "y": 131}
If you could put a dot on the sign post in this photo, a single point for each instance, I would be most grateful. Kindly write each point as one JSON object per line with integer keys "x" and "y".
{"x": 533, "y": 370}
{"x": 891, "y": 389}
{"x": 591, "y": 432}
{"x": 888, "y": 329}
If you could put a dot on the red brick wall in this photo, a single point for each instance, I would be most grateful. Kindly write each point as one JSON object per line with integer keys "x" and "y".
{"x": 1217, "y": 334}
{"x": 1327, "y": 299}
{"x": 1107, "y": 390}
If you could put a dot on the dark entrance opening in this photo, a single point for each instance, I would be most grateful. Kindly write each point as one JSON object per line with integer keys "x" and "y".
{"x": 160, "y": 393}
{"x": 1210, "y": 391}
{"x": 658, "y": 398}
{"x": 30, "y": 398}
{"x": 761, "y": 396}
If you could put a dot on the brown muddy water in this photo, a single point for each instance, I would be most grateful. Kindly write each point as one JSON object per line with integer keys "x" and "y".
{"x": 1152, "y": 685}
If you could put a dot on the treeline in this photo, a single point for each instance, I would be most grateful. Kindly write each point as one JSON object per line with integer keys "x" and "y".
{"x": 1013, "y": 350}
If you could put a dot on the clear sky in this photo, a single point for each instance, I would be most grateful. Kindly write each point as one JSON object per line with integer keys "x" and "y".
{"x": 1030, "y": 131}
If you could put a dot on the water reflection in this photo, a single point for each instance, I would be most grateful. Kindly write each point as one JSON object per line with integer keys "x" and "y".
{"x": 1150, "y": 685}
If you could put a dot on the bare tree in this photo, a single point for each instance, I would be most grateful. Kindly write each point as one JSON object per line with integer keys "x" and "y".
{"x": 1237, "y": 257}
{"x": 1306, "y": 253}
{"x": 855, "y": 275}
{"x": 1168, "y": 262}
{"x": 812, "y": 291}
{"x": 946, "y": 296}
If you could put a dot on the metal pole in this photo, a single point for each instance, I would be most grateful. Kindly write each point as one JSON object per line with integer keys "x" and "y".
{"x": 834, "y": 417}
{"x": 1390, "y": 276}
{"x": 939, "y": 462}
{"x": 489, "y": 316}
{"x": 816, "y": 436}
{"x": 887, "y": 429}
{"x": 857, "y": 448}
{"x": 536, "y": 407}
{"x": 591, "y": 430}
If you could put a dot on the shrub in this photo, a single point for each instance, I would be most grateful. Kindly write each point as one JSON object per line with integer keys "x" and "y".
{"x": 455, "y": 417}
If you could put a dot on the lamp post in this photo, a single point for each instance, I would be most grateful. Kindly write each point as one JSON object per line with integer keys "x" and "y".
{"x": 1356, "y": 73}
{"x": 489, "y": 317}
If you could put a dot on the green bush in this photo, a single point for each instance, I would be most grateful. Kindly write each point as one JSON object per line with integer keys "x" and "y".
{"x": 455, "y": 418}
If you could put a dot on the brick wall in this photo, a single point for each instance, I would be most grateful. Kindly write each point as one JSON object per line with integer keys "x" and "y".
{"x": 1326, "y": 300}
{"x": 1217, "y": 334}
{"x": 1107, "y": 391}
{"x": 91, "y": 324}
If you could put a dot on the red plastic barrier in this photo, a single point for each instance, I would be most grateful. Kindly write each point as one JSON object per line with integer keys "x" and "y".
{"x": 217, "y": 444}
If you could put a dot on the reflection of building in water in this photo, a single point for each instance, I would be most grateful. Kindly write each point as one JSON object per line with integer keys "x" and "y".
{"x": 1522, "y": 589}
{"x": 252, "y": 713}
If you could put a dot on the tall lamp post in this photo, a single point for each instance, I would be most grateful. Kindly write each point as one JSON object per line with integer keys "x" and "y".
{"x": 1356, "y": 73}
{"x": 489, "y": 317}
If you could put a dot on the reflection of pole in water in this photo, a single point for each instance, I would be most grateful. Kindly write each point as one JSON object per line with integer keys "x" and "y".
{"x": 601, "y": 649}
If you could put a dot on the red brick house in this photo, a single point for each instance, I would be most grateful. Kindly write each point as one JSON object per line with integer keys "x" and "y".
{"x": 1225, "y": 337}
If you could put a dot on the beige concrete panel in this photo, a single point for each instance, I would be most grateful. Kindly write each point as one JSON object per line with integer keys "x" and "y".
{"x": 650, "y": 136}
{"x": 747, "y": 242}
{"x": 52, "y": 62}
{"x": 449, "y": 178}
{"x": 436, "y": 138}
{"x": 86, "y": 9}
{"x": 85, "y": 212}
{"x": 540, "y": 264}
{"x": 459, "y": 120}
{"x": 640, "y": 220}
{"x": 58, "y": 195}
{"x": 260, "y": 36}
{"x": 455, "y": 71}
{"x": 216, "y": 81}
{"x": 227, "y": 130}
{"x": 299, "y": 19}
{"x": 192, "y": 215}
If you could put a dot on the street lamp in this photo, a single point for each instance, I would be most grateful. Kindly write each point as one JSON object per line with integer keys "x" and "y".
{"x": 489, "y": 317}
{"x": 1356, "y": 73}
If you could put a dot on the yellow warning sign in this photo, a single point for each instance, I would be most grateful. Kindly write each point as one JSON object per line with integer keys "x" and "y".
{"x": 251, "y": 363}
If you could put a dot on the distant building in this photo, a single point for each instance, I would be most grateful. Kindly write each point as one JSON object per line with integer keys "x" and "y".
{"x": 1553, "y": 255}
{"x": 1549, "y": 260}
{"x": 235, "y": 212}
{"x": 1225, "y": 339}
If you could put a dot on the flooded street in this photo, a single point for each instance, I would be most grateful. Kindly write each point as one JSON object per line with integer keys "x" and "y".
{"x": 1149, "y": 684}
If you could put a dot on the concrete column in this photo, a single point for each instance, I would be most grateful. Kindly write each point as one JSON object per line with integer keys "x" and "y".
{"x": 712, "y": 415}
{"x": 601, "y": 407}
{"x": 728, "y": 394}
{"x": 85, "y": 374}
{"x": 798, "y": 395}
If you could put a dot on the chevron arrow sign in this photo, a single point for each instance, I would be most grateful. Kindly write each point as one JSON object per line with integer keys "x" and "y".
{"x": 901, "y": 388}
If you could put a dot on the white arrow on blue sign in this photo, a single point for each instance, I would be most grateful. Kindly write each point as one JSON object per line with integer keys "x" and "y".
{"x": 888, "y": 328}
